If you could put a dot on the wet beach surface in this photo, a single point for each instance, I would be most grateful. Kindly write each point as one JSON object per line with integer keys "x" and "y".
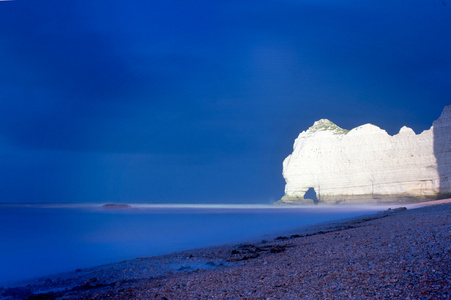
{"x": 393, "y": 254}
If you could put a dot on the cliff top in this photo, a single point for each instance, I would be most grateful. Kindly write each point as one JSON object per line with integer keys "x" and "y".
{"x": 326, "y": 125}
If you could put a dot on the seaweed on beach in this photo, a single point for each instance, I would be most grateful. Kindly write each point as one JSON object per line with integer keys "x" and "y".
{"x": 250, "y": 251}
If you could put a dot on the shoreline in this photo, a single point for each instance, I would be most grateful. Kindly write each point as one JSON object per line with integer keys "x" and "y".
{"x": 136, "y": 233}
{"x": 136, "y": 276}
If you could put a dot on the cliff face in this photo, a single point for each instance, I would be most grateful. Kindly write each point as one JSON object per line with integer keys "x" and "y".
{"x": 366, "y": 164}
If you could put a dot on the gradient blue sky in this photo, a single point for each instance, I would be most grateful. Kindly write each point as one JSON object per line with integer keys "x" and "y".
{"x": 200, "y": 101}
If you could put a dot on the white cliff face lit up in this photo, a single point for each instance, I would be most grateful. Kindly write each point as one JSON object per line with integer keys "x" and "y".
{"x": 366, "y": 164}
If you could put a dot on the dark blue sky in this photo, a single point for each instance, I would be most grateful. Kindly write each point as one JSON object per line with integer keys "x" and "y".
{"x": 200, "y": 101}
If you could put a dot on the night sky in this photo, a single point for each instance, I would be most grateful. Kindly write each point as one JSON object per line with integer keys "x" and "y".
{"x": 200, "y": 101}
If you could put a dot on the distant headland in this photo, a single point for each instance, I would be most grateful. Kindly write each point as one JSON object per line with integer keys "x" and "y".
{"x": 367, "y": 165}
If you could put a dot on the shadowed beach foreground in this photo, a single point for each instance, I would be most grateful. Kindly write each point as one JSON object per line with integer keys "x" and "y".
{"x": 394, "y": 254}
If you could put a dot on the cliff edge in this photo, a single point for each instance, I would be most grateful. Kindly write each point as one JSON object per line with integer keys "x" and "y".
{"x": 366, "y": 164}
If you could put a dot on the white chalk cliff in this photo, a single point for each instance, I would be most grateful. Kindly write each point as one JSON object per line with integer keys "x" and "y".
{"x": 366, "y": 164}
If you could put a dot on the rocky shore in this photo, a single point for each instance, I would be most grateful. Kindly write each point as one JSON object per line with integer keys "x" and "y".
{"x": 399, "y": 253}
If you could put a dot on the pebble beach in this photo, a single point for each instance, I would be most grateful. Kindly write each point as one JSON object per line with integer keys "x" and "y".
{"x": 394, "y": 254}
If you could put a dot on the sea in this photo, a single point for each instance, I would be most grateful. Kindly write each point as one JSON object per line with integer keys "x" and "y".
{"x": 44, "y": 239}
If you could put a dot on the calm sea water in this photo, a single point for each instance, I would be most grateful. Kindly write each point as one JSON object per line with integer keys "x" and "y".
{"x": 37, "y": 240}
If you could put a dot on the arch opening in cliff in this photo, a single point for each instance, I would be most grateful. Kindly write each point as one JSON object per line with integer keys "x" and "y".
{"x": 311, "y": 195}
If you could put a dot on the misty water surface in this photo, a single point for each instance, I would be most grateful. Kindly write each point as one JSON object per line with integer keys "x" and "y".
{"x": 43, "y": 239}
